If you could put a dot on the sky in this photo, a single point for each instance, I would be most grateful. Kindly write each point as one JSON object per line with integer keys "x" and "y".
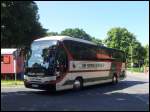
{"x": 96, "y": 17}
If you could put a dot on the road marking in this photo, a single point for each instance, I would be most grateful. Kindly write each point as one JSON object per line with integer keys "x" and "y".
{"x": 142, "y": 99}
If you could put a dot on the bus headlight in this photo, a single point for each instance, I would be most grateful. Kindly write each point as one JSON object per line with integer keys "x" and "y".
{"x": 25, "y": 77}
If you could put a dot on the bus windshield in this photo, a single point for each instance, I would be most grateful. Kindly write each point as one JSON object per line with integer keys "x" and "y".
{"x": 41, "y": 54}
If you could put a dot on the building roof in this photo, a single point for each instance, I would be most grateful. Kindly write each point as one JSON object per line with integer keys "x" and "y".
{"x": 61, "y": 38}
{"x": 8, "y": 50}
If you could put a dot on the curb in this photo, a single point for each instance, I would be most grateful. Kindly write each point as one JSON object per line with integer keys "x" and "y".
{"x": 12, "y": 86}
{"x": 137, "y": 73}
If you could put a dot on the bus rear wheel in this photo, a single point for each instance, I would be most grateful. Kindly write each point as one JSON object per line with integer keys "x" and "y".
{"x": 114, "y": 79}
{"x": 78, "y": 84}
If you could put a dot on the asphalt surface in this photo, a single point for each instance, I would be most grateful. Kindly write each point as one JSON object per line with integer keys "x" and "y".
{"x": 131, "y": 94}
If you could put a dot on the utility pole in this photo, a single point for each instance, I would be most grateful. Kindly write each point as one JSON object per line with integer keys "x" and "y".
{"x": 131, "y": 56}
{"x": 131, "y": 59}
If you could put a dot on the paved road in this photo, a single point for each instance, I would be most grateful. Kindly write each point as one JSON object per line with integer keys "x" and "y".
{"x": 130, "y": 94}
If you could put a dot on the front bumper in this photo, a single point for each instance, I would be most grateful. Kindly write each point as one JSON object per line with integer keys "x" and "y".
{"x": 49, "y": 87}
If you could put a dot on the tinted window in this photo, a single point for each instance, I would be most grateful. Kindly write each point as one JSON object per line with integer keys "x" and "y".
{"x": 81, "y": 51}
{"x": 108, "y": 53}
{"x": 104, "y": 53}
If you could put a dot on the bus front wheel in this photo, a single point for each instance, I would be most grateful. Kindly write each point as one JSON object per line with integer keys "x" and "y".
{"x": 78, "y": 84}
{"x": 114, "y": 79}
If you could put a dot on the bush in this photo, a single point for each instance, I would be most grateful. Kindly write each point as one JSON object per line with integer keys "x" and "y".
{"x": 136, "y": 69}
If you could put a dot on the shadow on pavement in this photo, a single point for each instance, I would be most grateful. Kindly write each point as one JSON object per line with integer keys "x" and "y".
{"x": 90, "y": 98}
{"x": 102, "y": 88}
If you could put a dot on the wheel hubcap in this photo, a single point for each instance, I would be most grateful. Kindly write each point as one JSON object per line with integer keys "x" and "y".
{"x": 114, "y": 79}
{"x": 77, "y": 84}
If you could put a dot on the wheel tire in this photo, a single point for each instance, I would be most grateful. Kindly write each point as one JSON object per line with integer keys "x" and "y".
{"x": 78, "y": 84}
{"x": 114, "y": 79}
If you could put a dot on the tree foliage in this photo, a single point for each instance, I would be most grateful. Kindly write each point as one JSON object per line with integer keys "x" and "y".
{"x": 121, "y": 38}
{"x": 52, "y": 34}
{"x": 81, "y": 34}
{"x": 76, "y": 33}
{"x": 19, "y": 23}
{"x": 147, "y": 55}
{"x": 97, "y": 41}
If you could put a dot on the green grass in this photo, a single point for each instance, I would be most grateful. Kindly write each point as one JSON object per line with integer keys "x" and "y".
{"x": 136, "y": 69}
{"x": 11, "y": 83}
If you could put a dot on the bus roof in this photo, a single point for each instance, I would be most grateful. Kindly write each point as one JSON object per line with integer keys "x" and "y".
{"x": 61, "y": 38}
{"x": 112, "y": 49}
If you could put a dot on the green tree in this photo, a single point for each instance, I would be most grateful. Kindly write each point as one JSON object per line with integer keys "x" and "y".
{"x": 147, "y": 55}
{"x": 52, "y": 34}
{"x": 76, "y": 33}
{"x": 81, "y": 34}
{"x": 97, "y": 41}
{"x": 121, "y": 38}
{"x": 19, "y": 23}
{"x": 138, "y": 53}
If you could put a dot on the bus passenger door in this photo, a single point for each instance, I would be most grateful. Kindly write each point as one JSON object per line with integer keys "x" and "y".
{"x": 61, "y": 62}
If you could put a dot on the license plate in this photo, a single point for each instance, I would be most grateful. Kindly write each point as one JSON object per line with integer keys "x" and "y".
{"x": 35, "y": 85}
{"x": 35, "y": 79}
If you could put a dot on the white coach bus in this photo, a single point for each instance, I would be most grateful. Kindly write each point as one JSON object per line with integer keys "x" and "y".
{"x": 61, "y": 62}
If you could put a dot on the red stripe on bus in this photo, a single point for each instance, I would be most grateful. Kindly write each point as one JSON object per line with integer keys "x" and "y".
{"x": 100, "y": 60}
{"x": 88, "y": 70}
{"x": 118, "y": 69}
{"x": 62, "y": 77}
{"x": 59, "y": 79}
